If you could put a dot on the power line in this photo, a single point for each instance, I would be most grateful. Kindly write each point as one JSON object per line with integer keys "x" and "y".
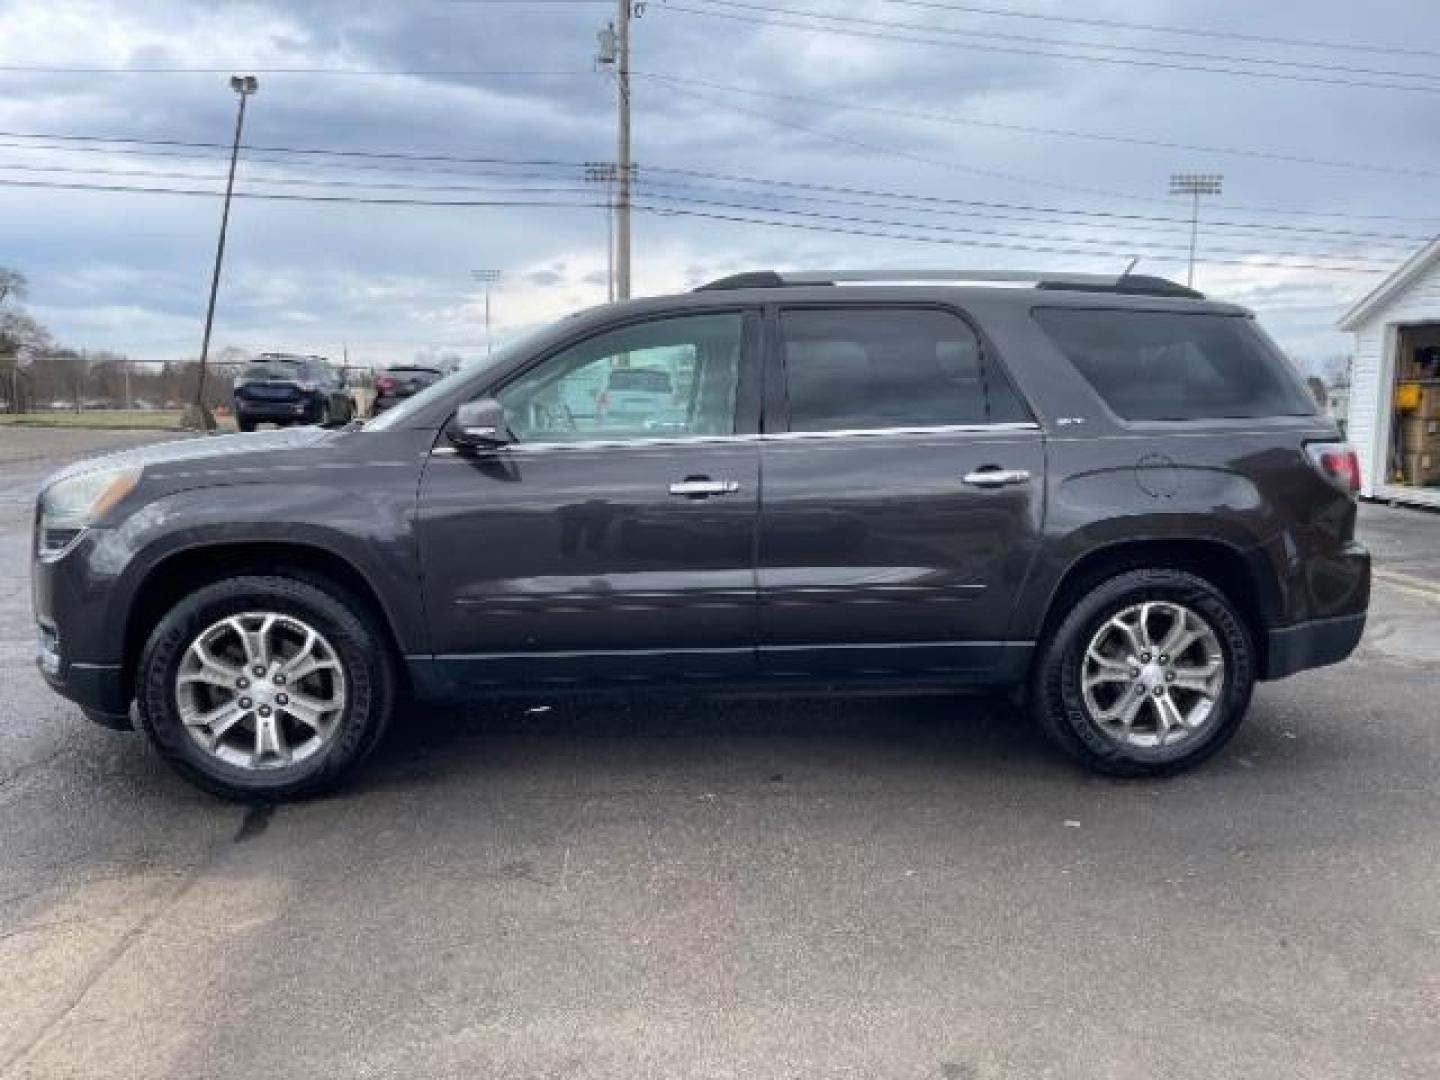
{"x": 1157, "y": 28}
{"x": 1030, "y": 39}
{"x": 1027, "y": 129}
{"x": 668, "y": 191}
{"x": 1012, "y": 177}
{"x": 1118, "y": 245}
{"x": 375, "y": 159}
{"x": 438, "y": 73}
{"x": 840, "y": 224}
{"x": 986, "y": 211}
{"x": 1020, "y": 51}
{"x": 667, "y": 212}
{"x": 286, "y": 197}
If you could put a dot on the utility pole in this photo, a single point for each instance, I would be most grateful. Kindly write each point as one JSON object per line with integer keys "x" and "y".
{"x": 244, "y": 85}
{"x": 486, "y": 278}
{"x": 615, "y": 51}
{"x": 622, "y": 155}
{"x": 1195, "y": 185}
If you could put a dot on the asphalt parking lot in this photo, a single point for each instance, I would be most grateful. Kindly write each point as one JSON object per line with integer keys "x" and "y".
{"x": 796, "y": 889}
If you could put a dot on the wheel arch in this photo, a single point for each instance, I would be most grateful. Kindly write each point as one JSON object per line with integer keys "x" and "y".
{"x": 182, "y": 572}
{"x": 1245, "y": 580}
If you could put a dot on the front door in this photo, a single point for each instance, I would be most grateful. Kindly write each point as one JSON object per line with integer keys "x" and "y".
{"x": 904, "y": 496}
{"x": 613, "y": 540}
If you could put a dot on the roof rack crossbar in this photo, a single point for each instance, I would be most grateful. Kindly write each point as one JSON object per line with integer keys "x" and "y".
{"x": 1120, "y": 283}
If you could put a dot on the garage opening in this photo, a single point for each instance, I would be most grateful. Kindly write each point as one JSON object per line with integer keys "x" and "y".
{"x": 1415, "y": 426}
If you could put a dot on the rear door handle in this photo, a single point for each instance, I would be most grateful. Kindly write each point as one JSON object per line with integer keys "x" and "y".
{"x": 993, "y": 477}
{"x": 699, "y": 487}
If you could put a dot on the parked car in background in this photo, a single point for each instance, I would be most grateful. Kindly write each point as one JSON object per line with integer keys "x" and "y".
{"x": 636, "y": 393}
{"x": 400, "y": 382}
{"x": 1109, "y": 492}
{"x": 283, "y": 389}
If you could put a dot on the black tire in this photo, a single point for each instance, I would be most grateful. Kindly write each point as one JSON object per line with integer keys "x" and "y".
{"x": 245, "y": 425}
{"x": 1059, "y": 701}
{"x": 369, "y": 672}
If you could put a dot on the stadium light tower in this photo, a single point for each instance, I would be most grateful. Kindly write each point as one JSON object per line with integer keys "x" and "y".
{"x": 1195, "y": 185}
{"x": 487, "y": 279}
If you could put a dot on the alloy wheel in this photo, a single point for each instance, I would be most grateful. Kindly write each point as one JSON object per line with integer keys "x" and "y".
{"x": 1153, "y": 675}
{"x": 261, "y": 690}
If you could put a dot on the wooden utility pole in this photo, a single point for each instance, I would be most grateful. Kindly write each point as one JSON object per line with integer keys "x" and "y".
{"x": 622, "y": 154}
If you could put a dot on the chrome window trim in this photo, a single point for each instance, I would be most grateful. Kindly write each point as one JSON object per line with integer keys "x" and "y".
{"x": 778, "y": 436}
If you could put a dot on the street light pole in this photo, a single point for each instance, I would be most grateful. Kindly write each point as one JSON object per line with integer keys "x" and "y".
{"x": 244, "y": 85}
{"x": 1195, "y": 185}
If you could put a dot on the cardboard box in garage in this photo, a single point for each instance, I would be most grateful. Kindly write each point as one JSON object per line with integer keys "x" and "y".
{"x": 1418, "y": 435}
{"x": 1422, "y": 470}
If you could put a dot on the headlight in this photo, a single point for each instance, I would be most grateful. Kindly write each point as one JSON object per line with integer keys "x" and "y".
{"x": 71, "y": 506}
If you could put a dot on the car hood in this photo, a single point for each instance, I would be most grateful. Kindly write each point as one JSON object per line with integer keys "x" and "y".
{"x": 182, "y": 451}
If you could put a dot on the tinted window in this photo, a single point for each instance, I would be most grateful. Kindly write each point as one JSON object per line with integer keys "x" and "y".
{"x": 646, "y": 379}
{"x": 671, "y": 376}
{"x": 269, "y": 372}
{"x": 1160, "y": 365}
{"x": 865, "y": 368}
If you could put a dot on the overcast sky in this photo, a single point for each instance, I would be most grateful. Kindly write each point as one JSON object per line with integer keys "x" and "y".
{"x": 754, "y": 99}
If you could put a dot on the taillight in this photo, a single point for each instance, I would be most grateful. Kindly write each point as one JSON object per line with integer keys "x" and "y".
{"x": 1338, "y": 463}
{"x": 385, "y": 383}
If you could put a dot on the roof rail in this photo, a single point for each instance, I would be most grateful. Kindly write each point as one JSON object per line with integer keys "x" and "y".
{"x": 1138, "y": 284}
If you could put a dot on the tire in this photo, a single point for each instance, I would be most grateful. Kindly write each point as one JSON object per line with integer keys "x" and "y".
{"x": 348, "y": 653}
{"x": 245, "y": 425}
{"x": 1081, "y": 702}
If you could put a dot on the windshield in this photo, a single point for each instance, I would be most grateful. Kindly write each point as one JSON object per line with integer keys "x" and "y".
{"x": 400, "y": 415}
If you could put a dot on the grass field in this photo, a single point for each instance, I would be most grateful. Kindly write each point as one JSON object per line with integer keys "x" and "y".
{"x": 146, "y": 419}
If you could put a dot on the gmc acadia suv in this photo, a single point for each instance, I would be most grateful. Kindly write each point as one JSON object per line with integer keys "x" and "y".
{"x": 1109, "y": 492}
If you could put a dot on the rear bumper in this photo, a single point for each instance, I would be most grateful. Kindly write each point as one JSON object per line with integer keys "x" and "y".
{"x": 1312, "y": 644}
{"x": 307, "y": 407}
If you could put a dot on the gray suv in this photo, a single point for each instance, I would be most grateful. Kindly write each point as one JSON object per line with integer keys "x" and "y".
{"x": 1110, "y": 493}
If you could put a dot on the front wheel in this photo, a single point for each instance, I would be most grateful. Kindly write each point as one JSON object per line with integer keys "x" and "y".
{"x": 264, "y": 688}
{"x": 1149, "y": 673}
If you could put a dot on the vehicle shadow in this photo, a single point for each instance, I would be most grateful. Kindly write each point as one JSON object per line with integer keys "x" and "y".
{"x": 708, "y": 737}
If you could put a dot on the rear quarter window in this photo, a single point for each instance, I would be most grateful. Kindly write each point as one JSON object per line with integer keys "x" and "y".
{"x": 1164, "y": 365}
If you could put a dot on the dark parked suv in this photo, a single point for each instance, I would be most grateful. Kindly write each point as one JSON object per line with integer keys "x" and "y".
{"x": 401, "y": 382}
{"x": 282, "y": 389}
{"x": 1111, "y": 493}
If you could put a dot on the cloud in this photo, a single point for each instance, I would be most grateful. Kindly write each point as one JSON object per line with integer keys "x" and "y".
{"x": 131, "y": 271}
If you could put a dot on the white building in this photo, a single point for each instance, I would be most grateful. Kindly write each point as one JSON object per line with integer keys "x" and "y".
{"x": 1397, "y": 358}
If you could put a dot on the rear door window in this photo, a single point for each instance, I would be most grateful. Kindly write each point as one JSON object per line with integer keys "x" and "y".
{"x": 1164, "y": 365}
{"x": 870, "y": 368}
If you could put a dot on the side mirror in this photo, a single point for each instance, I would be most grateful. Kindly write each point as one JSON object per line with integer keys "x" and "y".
{"x": 479, "y": 425}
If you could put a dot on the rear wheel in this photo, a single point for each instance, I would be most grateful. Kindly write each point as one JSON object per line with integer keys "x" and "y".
{"x": 265, "y": 688}
{"x": 245, "y": 425}
{"x": 1149, "y": 673}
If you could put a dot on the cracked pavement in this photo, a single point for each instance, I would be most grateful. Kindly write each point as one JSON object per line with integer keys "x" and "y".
{"x": 764, "y": 888}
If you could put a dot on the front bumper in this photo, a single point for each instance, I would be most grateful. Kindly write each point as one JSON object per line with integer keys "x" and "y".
{"x": 99, "y": 689}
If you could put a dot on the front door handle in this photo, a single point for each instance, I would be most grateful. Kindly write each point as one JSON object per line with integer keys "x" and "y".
{"x": 701, "y": 487}
{"x": 989, "y": 476}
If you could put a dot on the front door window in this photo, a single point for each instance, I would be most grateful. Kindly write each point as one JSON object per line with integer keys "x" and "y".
{"x": 675, "y": 376}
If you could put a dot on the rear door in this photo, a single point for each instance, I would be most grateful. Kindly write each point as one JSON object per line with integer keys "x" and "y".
{"x": 903, "y": 501}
